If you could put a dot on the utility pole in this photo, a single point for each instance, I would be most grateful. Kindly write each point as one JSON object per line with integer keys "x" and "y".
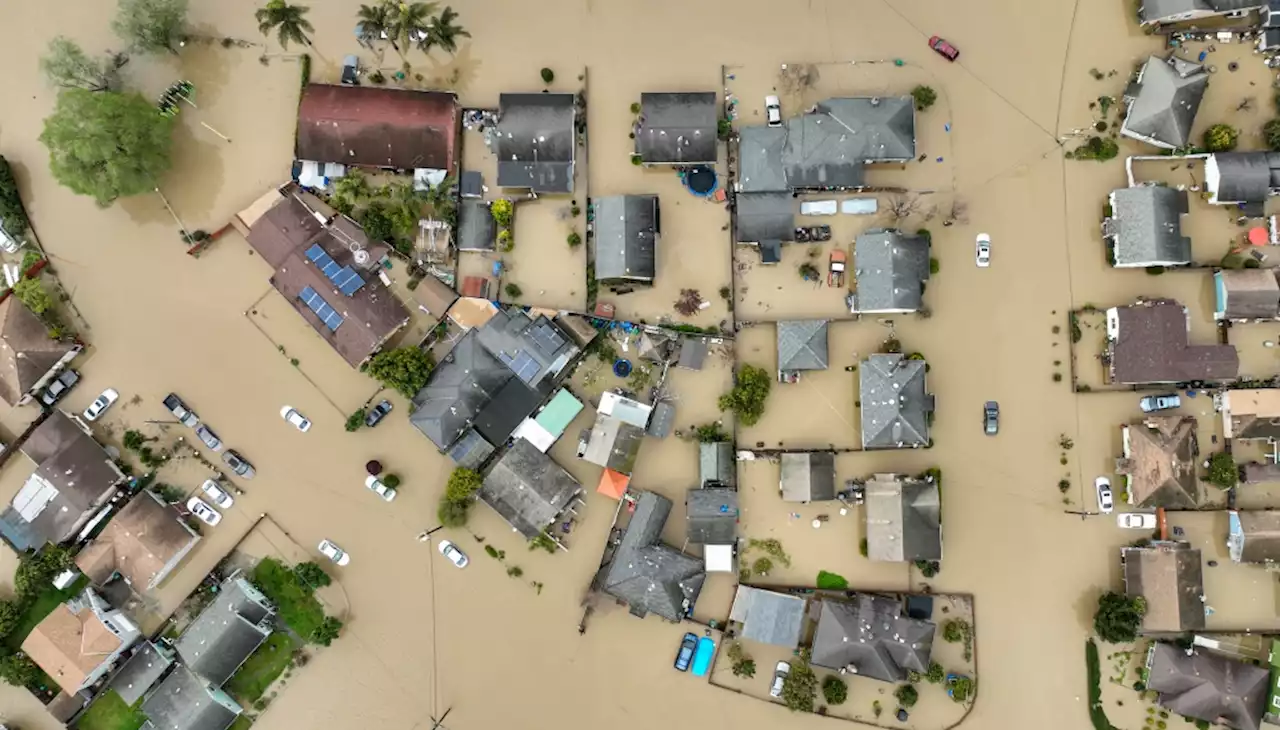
{"x": 440, "y": 723}
{"x": 422, "y": 537}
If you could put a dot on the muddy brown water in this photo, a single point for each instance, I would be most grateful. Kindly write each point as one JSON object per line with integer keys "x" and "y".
{"x": 422, "y": 636}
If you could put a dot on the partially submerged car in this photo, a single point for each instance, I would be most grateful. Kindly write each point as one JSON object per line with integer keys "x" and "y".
{"x": 295, "y": 419}
{"x": 216, "y": 494}
{"x": 1136, "y": 520}
{"x": 991, "y": 418}
{"x": 455, "y": 556}
{"x": 242, "y": 468}
{"x": 59, "y": 388}
{"x": 180, "y": 411}
{"x": 204, "y": 512}
{"x": 943, "y": 48}
{"x": 982, "y": 254}
{"x": 1105, "y": 501}
{"x": 101, "y": 404}
{"x": 380, "y": 488}
{"x": 1164, "y": 402}
{"x": 684, "y": 656}
{"x": 375, "y": 414}
{"x": 780, "y": 673}
{"x": 209, "y": 438}
{"x": 330, "y": 550}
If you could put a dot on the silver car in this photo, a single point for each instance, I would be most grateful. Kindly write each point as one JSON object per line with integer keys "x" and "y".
{"x": 991, "y": 418}
{"x": 242, "y": 468}
{"x": 209, "y": 438}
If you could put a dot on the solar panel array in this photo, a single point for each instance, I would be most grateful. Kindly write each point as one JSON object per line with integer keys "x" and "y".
{"x": 548, "y": 338}
{"x": 523, "y": 365}
{"x": 344, "y": 278}
{"x": 317, "y": 304}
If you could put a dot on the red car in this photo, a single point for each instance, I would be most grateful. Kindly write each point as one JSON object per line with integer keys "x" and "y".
{"x": 947, "y": 50}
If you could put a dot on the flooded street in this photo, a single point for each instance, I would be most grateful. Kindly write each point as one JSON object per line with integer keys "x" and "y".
{"x": 498, "y": 651}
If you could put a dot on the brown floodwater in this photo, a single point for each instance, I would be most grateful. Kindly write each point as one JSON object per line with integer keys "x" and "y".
{"x": 503, "y": 652}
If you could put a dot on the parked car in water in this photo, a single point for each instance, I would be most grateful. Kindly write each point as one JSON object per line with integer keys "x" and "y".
{"x": 684, "y": 655}
{"x": 101, "y": 404}
{"x": 204, "y": 512}
{"x": 1163, "y": 402}
{"x": 455, "y": 556}
{"x": 1105, "y": 501}
{"x": 780, "y": 673}
{"x": 983, "y": 251}
{"x": 943, "y": 48}
{"x": 217, "y": 494}
{"x": 331, "y": 551}
{"x": 180, "y": 411}
{"x": 773, "y": 111}
{"x": 59, "y": 388}
{"x": 1136, "y": 520}
{"x": 379, "y": 488}
{"x": 242, "y": 468}
{"x": 209, "y": 438}
{"x": 295, "y": 419}
{"x": 375, "y": 415}
{"x": 991, "y": 418}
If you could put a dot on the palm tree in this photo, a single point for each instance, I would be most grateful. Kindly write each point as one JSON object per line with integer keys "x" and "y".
{"x": 443, "y": 33}
{"x": 440, "y": 198}
{"x": 289, "y": 22}
{"x": 375, "y": 22}
{"x": 409, "y": 22}
{"x": 352, "y": 187}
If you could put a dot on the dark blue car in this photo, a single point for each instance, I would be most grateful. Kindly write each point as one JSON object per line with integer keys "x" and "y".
{"x": 685, "y": 655}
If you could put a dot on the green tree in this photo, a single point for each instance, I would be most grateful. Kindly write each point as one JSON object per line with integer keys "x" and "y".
{"x": 936, "y": 673}
{"x": 404, "y": 208}
{"x": 906, "y": 695}
{"x": 353, "y": 187}
{"x": 312, "y": 575}
{"x": 151, "y": 26}
{"x": 502, "y": 211}
{"x": 36, "y": 572}
{"x": 1221, "y": 138}
{"x": 1223, "y": 472}
{"x": 745, "y": 668}
{"x": 13, "y": 217}
{"x": 443, "y": 32}
{"x": 800, "y": 686}
{"x": 32, "y": 293}
{"x": 106, "y": 144}
{"x": 750, "y": 389}
{"x": 924, "y": 96}
{"x": 376, "y": 221}
{"x": 1271, "y": 133}
{"x": 409, "y": 23}
{"x": 955, "y": 630}
{"x": 462, "y": 485}
{"x": 391, "y": 480}
{"x": 406, "y": 369}
{"x": 67, "y": 66}
{"x": 834, "y": 690}
{"x": 10, "y": 615}
{"x": 374, "y": 20}
{"x": 288, "y": 21}
{"x": 1118, "y": 617}
{"x": 326, "y": 632}
{"x": 961, "y": 688}
{"x": 452, "y": 514}
{"x": 18, "y": 670}
{"x": 547, "y": 75}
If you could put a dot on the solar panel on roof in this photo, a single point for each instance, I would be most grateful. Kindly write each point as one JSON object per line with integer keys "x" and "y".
{"x": 348, "y": 281}
{"x": 316, "y": 303}
{"x": 344, "y": 278}
{"x": 547, "y": 337}
{"x": 525, "y": 367}
{"x": 315, "y": 253}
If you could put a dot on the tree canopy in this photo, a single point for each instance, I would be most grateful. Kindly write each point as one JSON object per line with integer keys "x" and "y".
{"x": 107, "y": 144}
{"x": 311, "y": 574}
{"x": 406, "y": 369}
{"x": 800, "y": 686}
{"x": 750, "y": 389}
{"x": 36, "y": 571}
{"x": 834, "y": 690}
{"x": 924, "y": 97}
{"x": 1118, "y": 617}
{"x": 33, "y": 294}
{"x": 151, "y": 26}
{"x": 288, "y": 21}
{"x": 66, "y": 65}
{"x": 1221, "y": 138}
{"x": 1223, "y": 472}
{"x": 455, "y": 503}
{"x": 13, "y": 216}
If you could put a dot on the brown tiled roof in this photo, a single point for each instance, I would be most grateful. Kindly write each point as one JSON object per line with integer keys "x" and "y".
{"x": 435, "y": 295}
{"x": 1153, "y": 347}
{"x": 1161, "y": 463}
{"x": 361, "y": 125}
{"x": 68, "y": 646}
{"x": 26, "y": 351}
{"x": 283, "y": 229}
{"x": 139, "y": 542}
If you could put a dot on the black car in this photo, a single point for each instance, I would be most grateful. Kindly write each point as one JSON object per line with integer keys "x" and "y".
{"x": 376, "y": 414}
{"x": 991, "y": 418}
{"x": 62, "y": 385}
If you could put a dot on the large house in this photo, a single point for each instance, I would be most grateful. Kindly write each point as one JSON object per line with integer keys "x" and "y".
{"x": 80, "y": 641}
{"x": 1145, "y": 227}
{"x": 1160, "y": 462}
{"x": 376, "y": 127}
{"x": 677, "y": 128}
{"x": 904, "y": 518}
{"x": 1163, "y": 102}
{"x": 890, "y": 269}
{"x": 1242, "y": 178}
{"x": 897, "y": 410}
{"x": 1209, "y": 687}
{"x": 227, "y": 631}
{"x": 1169, "y": 577}
{"x": 647, "y": 575}
{"x": 627, "y": 229}
{"x": 871, "y": 636}
{"x": 327, "y": 268}
{"x": 528, "y": 489}
{"x": 536, "y": 143}
{"x": 73, "y": 479}
{"x": 1148, "y": 342}
{"x": 142, "y": 544}
{"x": 187, "y": 701}
{"x": 29, "y": 357}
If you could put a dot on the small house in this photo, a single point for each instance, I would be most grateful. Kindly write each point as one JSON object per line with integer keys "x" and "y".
{"x": 1246, "y": 295}
{"x": 528, "y": 489}
{"x": 890, "y": 271}
{"x": 896, "y": 408}
{"x": 1148, "y": 342}
{"x": 802, "y": 345}
{"x": 677, "y": 128}
{"x": 536, "y": 142}
{"x": 808, "y": 476}
{"x": 626, "y": 233}
{"x": 80, "y": 641}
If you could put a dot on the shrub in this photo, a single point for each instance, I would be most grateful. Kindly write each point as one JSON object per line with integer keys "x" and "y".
{"x": 33, "y": 294}
{"x": 709, "y": 433}
{"x": 513, "y": 290}
{"x": 544, "y": 541}
{"x": 391, "y": 480}
{"x": 506, "y": 241}
{"x": 936, "y": 673}
{"x": 1221, "y": 138}
{"x": 405, "y": 369}
{"x": 1118, "y": 617}
{"x": 515, "y": 571}
{"x": 961, "y": 688}
{"x": 635, "y": 107}
{"x": 1223, "y": 472}
{"x": 547, "y": 75}
{"x": 326, "y": 632}
{"x": 745, "y": 668}
{"x": 934, "y": 265}
{"x": 312, "y": 575}
{"x": 1252, "y": 263}
{"x": 1154, "y": 270}
{"x": 863, "y": 547}
{"x": 906, "y": 695}
{"x": 574, "y": 239}
{"x": 924, "y": 96}
{"x": 355, "y": 420}
{"x": 750, "y": 390}
{"x": 762, "y": 566}
{"x": 955, "y": 630}
{"x": 35, "y": 572}
{"x": 463, "y": 484}
{"x": 1096, "y": 148}
{"x": 13, "y": 217}
{"x": 637, "y": 160}
{"x": 452, "y": 514}
{"x": 834, "y": 690}
{"x": 1057, "y": 377}
{"x": 10, "y": 615}
{"x": 503, "y": 211}
{"x": 832, "y": 581}
{"x": 1271, "y": 133}
{"x": 724, "y": 128}
{"x": 18, "y": 670}
{"x": 377, "y": 78}
{"x": 800, "y": 686}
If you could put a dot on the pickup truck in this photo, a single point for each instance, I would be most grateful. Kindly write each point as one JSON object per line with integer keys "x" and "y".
{"x": 62, "y": 385}
{"x": 185, "y": 415}
{"x": 835, "y": 275}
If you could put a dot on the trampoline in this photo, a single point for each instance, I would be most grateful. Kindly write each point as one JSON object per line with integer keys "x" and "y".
{"x": 701, "y": 181}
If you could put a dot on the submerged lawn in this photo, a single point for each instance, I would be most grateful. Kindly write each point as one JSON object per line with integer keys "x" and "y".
{"x": 297, "y": 606}
{"x": 261, "y": 669}
{"x": 109, "y": 712}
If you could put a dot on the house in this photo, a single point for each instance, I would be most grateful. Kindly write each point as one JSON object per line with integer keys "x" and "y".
{"x": 227, "y": 631}
{"x": 677, "y": 128}
{"x": 477, "y": 230}
{"x": 620, "y": 428}
{"x": 496, "y": 375}
{"x": 808, "y": 477}
{"x": 1210, "y": 687}
{"x": 186, "y": 701}
{"x": 711, "y": 514}
{"x": 627, "y": 228}
{"x": 80, "y": 641}
{"x": 528, "y": 489}
{"x": 1145, "y": 227}
{"x": 379, "y": 127}
{"x": 645, "y": 574}
{"x": 760, "y": 160}
{"x": 904, "y": 518}
{"x": 29, "y": 357}
{"x": 1246, "y": 295}
{"x": 871, "y": 637}
{"x": 536, "y": 142}
{"x": 435, "y": 296}
{"x": 1251, "y": 414}
{"x": 546, "y": 427}
{"x": 139, "y": 673}
{"x": 1168, "y": 577}
{"x": 1242, "y": 178}
{"x": 890, "y": 269}
{"x": 142, "y": 544}
{"x": 1148, "y": 342}
{"x": 693, "y": 351}
{"x": 716, "y": 465}
{"x": 896, "y": 408}
{"x": 1253, "y": 536}
{"x": 74, "y": 478}
{"x": 768, "y": 617}
{"x": 1163, "y": 12}
{"x": 802, "y": 345}
{"x": 1163, "y": 102}
{"x": 328, "y": 269}
{"x": 1160, "y": 462}
{"x": 764, "y": 217}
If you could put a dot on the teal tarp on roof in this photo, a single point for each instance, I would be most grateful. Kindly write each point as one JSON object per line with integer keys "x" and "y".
{"x": 559, "y": 413}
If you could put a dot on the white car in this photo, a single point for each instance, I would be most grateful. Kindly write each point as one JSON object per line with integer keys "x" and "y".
{"x": 1136, "y": 520}
{"x": 207, "y": 514}
{"x": 379, "y": 488}
{"x": 297, "y": 420}
{"x": 217, "y": 494}
{"x": 1105, "y": 503}
{"x": 455, "y": 556}
{"x": 334, "y": 553}
{"x": 773, "y": 111}
{"x": 780, "y": 673}
{"x": 100, "y": 406}
{"x": 983, "y": 251}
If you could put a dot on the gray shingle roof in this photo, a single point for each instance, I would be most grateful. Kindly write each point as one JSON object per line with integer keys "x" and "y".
{"x": 460, "y": 387}
{"x": 693, "y": 352}
{"x": 471, "y": 450}
{"x": 802, "y": 344}
{"x": 712, "y": 514}
{"x": 890, "y": 269}
{"x": 614, "y": 444}
{"x": 1209, "y": 686}
{"x": 476, "y": 228}
{"x": 184, "y": 701}
{"x": 1259, "y": 536}
{"x": 535, "y": 348}
{"x": 904, "y": 519}
{"x": 528, "y": 489}
{"x": 626, "y": 237}
{"x": 808, "y": 477}
{"x": 648, "y": 575}
{"x": 871, "y": 634}
{"x": 1242, "y": 177}
{"x": 716, "y": 464}
{"x": 765, "y": 217}
{"x": 536, "y": 142}
{"x": 1166, "y": 102}
{"x": 895, "y": 407}
{"x": 1171, "y": 580}
{"x": 1146, "y": 226}
{"x": 768, "y": 617}
{"x": 1248, "y": 293}
{"x": 760, "y": 168}
{"x": 677, "y": 127}
{"x": 883, "y": 128}
{"x": 226, "y": 632}
{"x": 141, "y": 671}
{"x": 1155, "y": 11}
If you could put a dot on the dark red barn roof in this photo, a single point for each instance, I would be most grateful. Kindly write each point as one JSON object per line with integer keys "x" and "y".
{"x": 374, "y": 127}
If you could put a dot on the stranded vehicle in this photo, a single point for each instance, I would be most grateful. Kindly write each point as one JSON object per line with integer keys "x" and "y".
{"x": 835, "y": 274}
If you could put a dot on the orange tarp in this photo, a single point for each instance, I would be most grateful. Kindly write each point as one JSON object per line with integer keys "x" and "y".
{"x": 613, "y": 484}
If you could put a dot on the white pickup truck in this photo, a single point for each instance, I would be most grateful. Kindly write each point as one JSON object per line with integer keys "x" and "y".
{"x": 185, "y": 416}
